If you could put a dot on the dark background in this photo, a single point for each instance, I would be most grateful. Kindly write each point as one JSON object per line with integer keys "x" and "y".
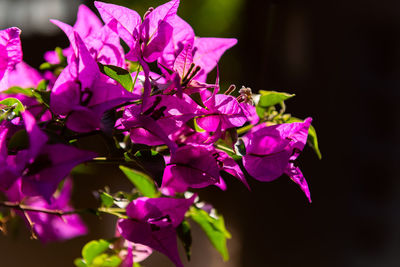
{"x": 342, "y": 60}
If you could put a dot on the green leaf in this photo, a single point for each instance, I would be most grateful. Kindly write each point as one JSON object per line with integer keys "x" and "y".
{"x": 136, "y": 264}
{"x": 106, "y": 199}
{"x": 312, "y": 139}
{"x": 80, "y": 263}
{"x": 271, "y": 98}
{"x": 134, "y": 66}
{"x": 260, "y": 111}
{"x": 19, "y": 141}
{"x": 143, "y": 183}
{"x": 122, "y": 76}
{"x": 94, "y": 248}
{"x": 46, "y": 66}
{"x": 42, "y": 86}
{"x": 214, "y": 229}
{"x": 104, "y": 260}
{"x": 18, "y": 90}
{"x": 43, "y": 97}
{"x": 11, "y": 105}
{"x": 185, "y": 236}
{"x": 197, "y": 98}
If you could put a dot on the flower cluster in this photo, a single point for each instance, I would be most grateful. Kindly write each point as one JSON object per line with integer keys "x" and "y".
{"x": 157, "y": 111}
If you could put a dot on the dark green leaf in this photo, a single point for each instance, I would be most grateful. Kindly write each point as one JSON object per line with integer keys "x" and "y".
{"x": 122, "y": 76}
{"x": 143, "y": 183}
{"x": 106, "y": 199}
{"x": 94, "y": 248}
{"x": 312, "y": 139}
{"x": 185, "y": 236}
{"x": 214, "y": 229}
{"x": 19, "y": 141}
{"x": 270, "y": 98}
{"x": 152, "y": 162}
{"x": 197, "y": 98}
{"x": 43, "y": 97}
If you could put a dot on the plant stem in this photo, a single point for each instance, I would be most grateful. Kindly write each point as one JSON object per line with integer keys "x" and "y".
{"x": 26, "y": 208}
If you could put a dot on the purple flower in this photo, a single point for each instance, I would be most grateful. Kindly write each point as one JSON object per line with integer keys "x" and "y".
{"x": 102, "y": 43}
{"x": 190, "y": 166}
{"x": 41, "y": 167}
{"x": 223, "y": 112}
{"x": 83, "y": 93}
{"x": 271, "y": 151}
{"x": 152, "y": 222}
{"x": 10, "y": 54}
{"x": 146, "y": 39}
{"x": 163, "y": 116}
{"x": 49, "y": 227}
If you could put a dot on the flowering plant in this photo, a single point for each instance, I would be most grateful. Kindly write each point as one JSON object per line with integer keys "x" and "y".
{"x": 167, "y": 128}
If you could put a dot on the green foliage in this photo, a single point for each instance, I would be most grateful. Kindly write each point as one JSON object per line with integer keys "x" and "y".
{"x": 143, "y": 183}
{"x": 106, "y": 199}
{"x": 312, "y": 140}
{"x": 268, "y": 100}
{"x": 10, "y": 108}
{"x": 93, "y": 255}
{"x": 271, "y": 98}
{"x": 214, "y": 227}
{"x": 185, "y": 236}
{"x": 93, "y": 249}
{"x": 118, "y": 74}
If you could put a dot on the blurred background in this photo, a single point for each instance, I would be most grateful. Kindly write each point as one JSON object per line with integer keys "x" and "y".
{"x": 342, "y": 60}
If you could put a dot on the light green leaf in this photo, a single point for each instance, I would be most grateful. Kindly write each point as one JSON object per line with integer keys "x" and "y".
{"x": 143, "y": 183}
{"x": 214, "y": 229}
{"x": 18, "y": 90}
{"x": 271, "y": 98}
{"x": 12, "y": 104}
{"x": 104, "y": 260}
{"x": 80, "y": 263}
{"x": 312, "y": 139}
{"x": 106, "y": 199}
{"x": 122, "y": 76}
{"x": 94, "y": 248}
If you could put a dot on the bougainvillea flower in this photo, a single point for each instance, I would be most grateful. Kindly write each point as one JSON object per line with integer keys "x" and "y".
{"x": 190, "y": 166}
{"x": 229, "y": 165}
{"x": 146, "y": 39}
{"x": 204, "y": 53}
{"x": 223, "y": 111}
{"x": 164, "y": 116}
{"x": 10, "y": 53}
{"x": 8, "y": 172}
{"x": 49, "y": 227}
{"x": 24, "y": 76}
{"x": 271, "y": 151}
{"x": 102, "y": 43}
{"x": 83, "y": 93}
{"x": 152, "y": 222}
{"x": 41, "y": 167}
